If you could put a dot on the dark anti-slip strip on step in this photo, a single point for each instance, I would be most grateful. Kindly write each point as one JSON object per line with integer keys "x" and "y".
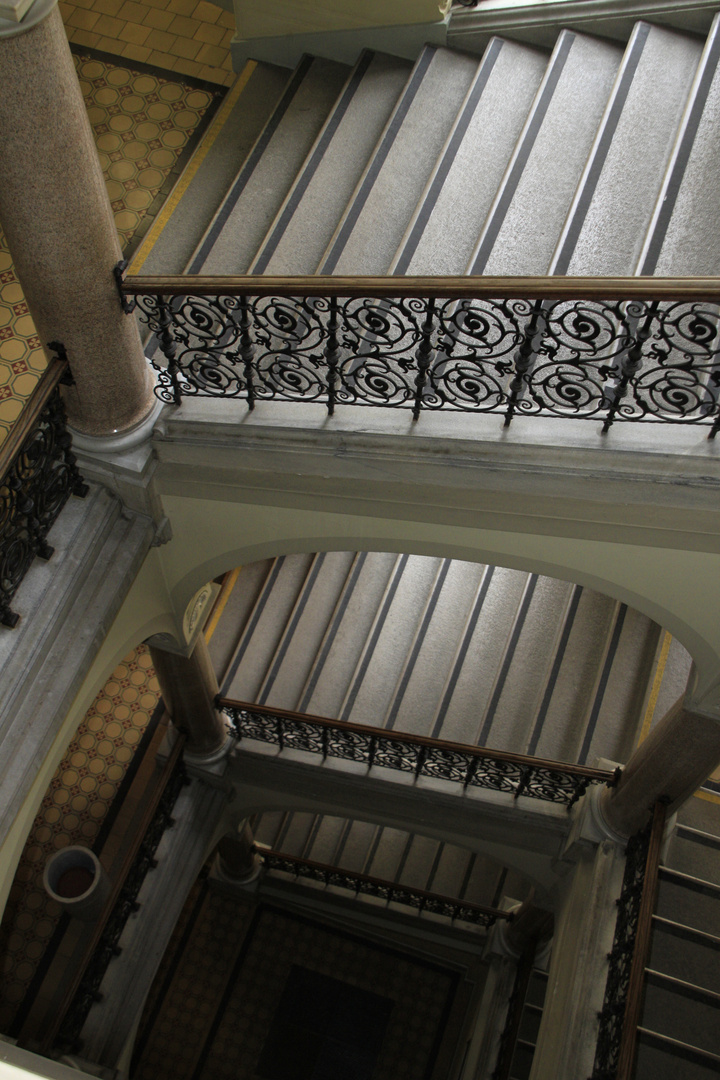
{"x": 250, "y": 165}
{"x": 289, "y": 631}
{"x": 528, "y": 142}
{"x": 379, "y": 159}
{"x": 680, "y": 164}
{"x": 250, "y": 630}
{"x": 433, "y": 193}
{"x": 557, "y": 662}
{"x": 311, "y": 167}
{"x": 602, "y": 687}
{"x": 601, "y": 151}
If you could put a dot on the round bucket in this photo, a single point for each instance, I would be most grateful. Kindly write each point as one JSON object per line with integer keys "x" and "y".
{"x": 76, "y": 879}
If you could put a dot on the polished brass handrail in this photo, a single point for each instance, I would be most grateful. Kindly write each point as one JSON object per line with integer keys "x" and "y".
{"x": 463, "y": 288}
{"x": 32, "y": 410}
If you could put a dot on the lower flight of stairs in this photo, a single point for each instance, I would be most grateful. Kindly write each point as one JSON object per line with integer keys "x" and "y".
{"x": 680, "y": 1027}
{"x": 438, "y": 647}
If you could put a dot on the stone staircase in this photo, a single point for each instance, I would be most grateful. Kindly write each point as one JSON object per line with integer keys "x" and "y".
{"x": 587, "y": 159}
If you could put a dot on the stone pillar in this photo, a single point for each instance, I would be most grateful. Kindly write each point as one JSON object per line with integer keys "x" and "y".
{"x": 188, "y": 686}
{"x": 59, "y": 225}
{"x": 531, "y": 925}
{"x": 677, "y": 756}
{"x": 237, "y": 862}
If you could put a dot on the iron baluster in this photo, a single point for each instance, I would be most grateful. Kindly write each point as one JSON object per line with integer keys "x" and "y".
{"x": 524, "y": 357}
{"x": 324, "y": 735}
{"x": 332, "y": 355}
{"x": 372, "y": 750}
{"x": 630, "y": 364}
{"x": 525, "y": 777}
{"x": 424, "y": 357}
{"x": 168, "y": 346}
{"x": 470, "y": 771}
{"x": 280, "y": 732}
{"x": 247, "y": 351}
{"x": 420, "y": 760}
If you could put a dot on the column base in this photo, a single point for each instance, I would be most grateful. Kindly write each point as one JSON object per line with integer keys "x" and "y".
{"x": 219, "y": 874}
{"x": 213, "y": 757}
{"x": 125, "y": 440}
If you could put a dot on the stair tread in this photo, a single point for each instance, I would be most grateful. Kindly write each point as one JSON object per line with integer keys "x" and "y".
{"x": 684, "y": 235}
{"x": 270, "y": 169}
{"x": 322, "y": 189}
{"x": 370, "y": 230}
{"x": 216, "y": 162}
{"x": 611, "y": 211}
{"x": 447, "y": 220}
{"x": 529, "y": 210}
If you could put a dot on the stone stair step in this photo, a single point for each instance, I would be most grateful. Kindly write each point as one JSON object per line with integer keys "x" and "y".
{"x": 267, "y": 825}
{"x": 616, "y": 714}
{"x": 305, "y": 630}
{"x": 374, "y": 221}
{"x": 531, "y": 204}
{"x": 233, "y": 237}
{"x": 419, "y": 858}
{"x": 684, "y": 234}
{"x": 696, "y": 853}
{"x": 678, "y": 951}
{"x": 354, "y": 845}
{"x": 386, "y": 855}
{"x": 660, "y": 1058}
{"x": 488, "y": 628}
{"x": 347, "y": 632}
{"x": 679, "y": 1011}
{"x": 230, "y": 627}
{"x": 417, "y": 693}
{"x": 611, "y": 211}
{"x": 690, "y": 901}
{"x": 450, "y": 214}
{"x": 309, "y": 215}
{"x": 449, "y": 869}
{"x": 521, "y": 677}
{"x": 216, "y": 163}
{"x": 265, "y": 627}
{"x": 370, "y": 695}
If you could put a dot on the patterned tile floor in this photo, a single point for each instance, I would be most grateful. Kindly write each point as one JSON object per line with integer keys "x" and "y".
{"x": 189, "y": 37}
{"x": 145, "y": 125}
{"x": 73, "y": 810}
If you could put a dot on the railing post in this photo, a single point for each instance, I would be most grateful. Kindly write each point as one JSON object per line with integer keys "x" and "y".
{"x": 332, "y": 354}
{"x": 524, "y": 358}
{"x": 168, "y": 346}
{"x": 247, "y": 351}
{"x": 424, "y": 357}
{"x": 630, "y": 364}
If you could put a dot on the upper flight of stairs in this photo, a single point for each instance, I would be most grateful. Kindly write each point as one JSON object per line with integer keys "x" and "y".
{"x": 588, "y": 160}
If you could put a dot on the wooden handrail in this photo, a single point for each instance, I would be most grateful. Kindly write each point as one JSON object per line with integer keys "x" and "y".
{"x": 383, "y": 883}
{"x": 641, "y": 952}
{"x": 390, "y": 735}
{"x": 461, "y": 288}
{"x": 31, "y": 412}
{"x": 73, "y": 984}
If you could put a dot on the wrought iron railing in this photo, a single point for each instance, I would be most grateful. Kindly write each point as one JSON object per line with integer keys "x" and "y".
{"x": 471, "y": 766}
{"x": 83, "y": 991}
{"x": 392, "y": 891}
{"x": 603, "y": 349}
{"x": 39, "y": 474}
{"x": 620, "y": 1015}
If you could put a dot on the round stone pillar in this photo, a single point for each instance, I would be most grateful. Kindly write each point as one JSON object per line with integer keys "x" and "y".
{"x": 530, "y": 926}
{"x": 60, "y": 229}
{"x": 677, "y": 756}
{"x": 238, "y": 863}
{"x": 188, "y": 686}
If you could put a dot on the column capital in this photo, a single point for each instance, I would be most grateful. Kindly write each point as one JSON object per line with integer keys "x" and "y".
{"x": 19, "y": 16}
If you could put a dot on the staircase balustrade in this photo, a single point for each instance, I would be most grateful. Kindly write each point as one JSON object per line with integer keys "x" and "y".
{"x": 471, "y": 766}
{"x": 392, "y": 891}
{"x": 39, "y": 474}
{"x": 604, "y": 349}
{"x": 620, "y": 1015}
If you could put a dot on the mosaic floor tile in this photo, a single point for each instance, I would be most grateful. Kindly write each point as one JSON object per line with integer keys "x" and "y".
{"x": 78, "y": 800}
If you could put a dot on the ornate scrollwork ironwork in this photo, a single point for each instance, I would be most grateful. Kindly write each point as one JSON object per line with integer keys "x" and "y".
{"x": 34, "y": 488}
{"x": 477, "y": 767}
{"x": 621, "y": 956}
{"x": 362, "y": 884}
{"x": 607, "y": 360}
{"x": 68, "y": 1037}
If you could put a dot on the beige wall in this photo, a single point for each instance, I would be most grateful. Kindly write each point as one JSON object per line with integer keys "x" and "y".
{"x": 267, "y": 18}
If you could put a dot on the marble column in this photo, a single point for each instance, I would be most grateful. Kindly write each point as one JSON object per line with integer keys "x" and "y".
{"x": 188, "y": 685}
{"x": 530, "y": 926}
{"x": 59, "y": 226}
{"x": 678, "y": 755}
{"x": 238, "y": 863}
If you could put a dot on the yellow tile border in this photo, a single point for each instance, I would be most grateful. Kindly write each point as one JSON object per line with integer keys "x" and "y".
{"x": 191, "y": 169}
